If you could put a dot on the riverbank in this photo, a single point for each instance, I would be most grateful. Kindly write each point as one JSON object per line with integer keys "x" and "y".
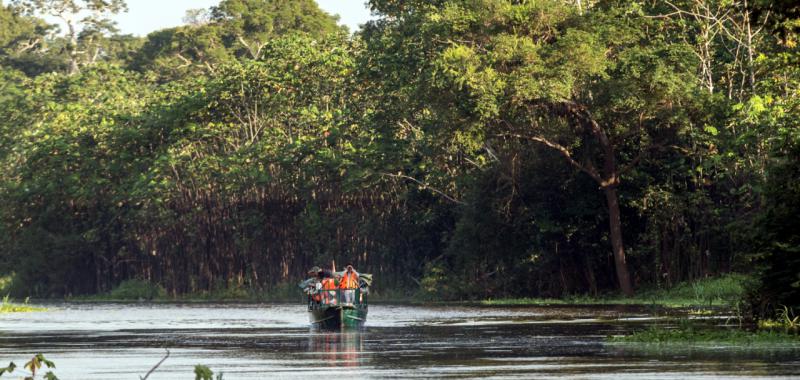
{"x": 725, "y": 291}
{"x": 10, "y": 307}
{"x": 714, "y": 293}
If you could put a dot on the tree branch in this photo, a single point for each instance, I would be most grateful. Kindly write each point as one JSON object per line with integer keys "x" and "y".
{"x": 424, "y": 186}
{"x": 561, "y": 149}
{"x": 155, "y": 367}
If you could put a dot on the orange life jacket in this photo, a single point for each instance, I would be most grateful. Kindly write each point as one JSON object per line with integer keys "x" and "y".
{"x": 328, "y": 284}
{"x": 349, "y": 281}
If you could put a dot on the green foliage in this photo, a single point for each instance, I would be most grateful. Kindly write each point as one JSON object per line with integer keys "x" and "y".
{"x": 202, "y": 372}
{"x": 5, "y": 283}
{"x": 34, "y": 365}
{"x": 726, "y": 291}
{"x": 729, "y": 289}
{"x": 466, "y": 149}
{"x": 88, "y": 22}
{"x": 687, "y": 332}
{"x": 10, "y": 368}
{"x": 779, "y": 232}
{"x": 435, "y": 284}
{"x": 137, "y": 290}
{"x": 62, "y": 172}
{"x": 37, "y": 362}
{"x": 234, "y": 30}
{"x": 785, "y": 319}
{"x": 7, "y": 306}
{"x": 24, "y": 43}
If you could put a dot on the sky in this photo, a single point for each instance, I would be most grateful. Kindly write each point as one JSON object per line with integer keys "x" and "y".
{"x": 145, "y": 16}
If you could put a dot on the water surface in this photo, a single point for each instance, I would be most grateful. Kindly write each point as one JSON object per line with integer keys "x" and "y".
{"x": 246, "y": 341}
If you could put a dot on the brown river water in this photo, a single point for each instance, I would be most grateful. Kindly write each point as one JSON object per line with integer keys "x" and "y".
{"x": 268, "y": 341}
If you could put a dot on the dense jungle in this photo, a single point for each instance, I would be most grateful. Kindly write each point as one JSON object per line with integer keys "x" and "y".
{"x": 456, "y": 149}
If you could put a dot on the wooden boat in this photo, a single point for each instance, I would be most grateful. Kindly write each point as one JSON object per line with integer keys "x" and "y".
{"x": 332, "y": 313}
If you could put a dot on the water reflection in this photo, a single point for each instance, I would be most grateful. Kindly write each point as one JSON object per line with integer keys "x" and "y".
{"x": 342, "y": 349}
{"x": 110, "y": 341}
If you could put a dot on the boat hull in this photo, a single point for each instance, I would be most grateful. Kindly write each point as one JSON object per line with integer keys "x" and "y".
{"x": 338, "y": 318}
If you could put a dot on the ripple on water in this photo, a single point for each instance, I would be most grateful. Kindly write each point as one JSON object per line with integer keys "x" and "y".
{"x": 102, "y": 341}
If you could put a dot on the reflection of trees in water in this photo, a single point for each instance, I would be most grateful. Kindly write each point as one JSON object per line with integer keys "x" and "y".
{"x": 337, "y": 349}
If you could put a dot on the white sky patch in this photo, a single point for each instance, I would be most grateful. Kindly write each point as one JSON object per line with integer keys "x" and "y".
{"x": 145, "y": 16}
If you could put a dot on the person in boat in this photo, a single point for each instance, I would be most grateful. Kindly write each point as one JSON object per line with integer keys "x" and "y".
{"x": 328, "y": 288}
{"x": 348, "y": 284}
{"x": 313, "y": 284}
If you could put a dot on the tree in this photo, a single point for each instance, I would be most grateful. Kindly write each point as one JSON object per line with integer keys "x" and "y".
{"x": 252, "y": 22}
{"x": 235, "y": 29}
{"x": 25, "y": 43}
{"x": 63, "y": 179}
{"x": 91, "y": 16}
{"x": 598, "y": 89}
{"x": 18, "y": 34}
{"x": 777, "y": 232}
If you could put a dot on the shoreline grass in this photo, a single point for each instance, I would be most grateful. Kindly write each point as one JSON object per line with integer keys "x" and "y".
{"x": 10, "y": 307}
{"x": 143, "y": 291}
{"x": 725, "y": 291}
{"x": 713, "y": 293}
{"x": 612, "y": 300}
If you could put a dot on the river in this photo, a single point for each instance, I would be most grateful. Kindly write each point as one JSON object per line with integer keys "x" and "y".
{"x": 248, "y": 341}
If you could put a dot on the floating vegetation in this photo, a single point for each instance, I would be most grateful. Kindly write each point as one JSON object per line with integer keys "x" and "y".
{"x": 784, "y": 318}
{"x": 691, "y": 336}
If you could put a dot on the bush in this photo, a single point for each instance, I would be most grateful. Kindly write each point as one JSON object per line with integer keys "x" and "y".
{"x": 728, "y": 290}
{"x": 731, "y": 288}
{"x": 136, "y": 290}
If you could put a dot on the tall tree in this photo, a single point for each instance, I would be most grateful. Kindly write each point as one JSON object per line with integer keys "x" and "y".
{"x": 233, "y": 29}
{"x": 251, "y": 23}
{"x": 25, "y": 43}
{"x": 77, "y": 15}
{"x": 599, "y": 89}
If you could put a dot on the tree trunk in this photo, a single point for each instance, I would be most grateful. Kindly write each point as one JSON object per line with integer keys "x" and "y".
{"x": 608, "y": 179}
{"x": 72, "y": 47}
{"x": 617, "y": 247}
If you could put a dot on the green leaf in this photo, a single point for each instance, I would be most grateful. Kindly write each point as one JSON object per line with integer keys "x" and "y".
{"x": 202, "y": 372}
{"x": 11, "y": 367}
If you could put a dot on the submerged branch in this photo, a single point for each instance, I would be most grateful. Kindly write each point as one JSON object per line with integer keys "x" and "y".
{"x": 156, "y": 366}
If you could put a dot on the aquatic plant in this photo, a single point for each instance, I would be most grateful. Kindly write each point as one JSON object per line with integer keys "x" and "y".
{"x": 39, "y": 361}
{"x": 202, "y": 372}
{"x": 34, "y": 365}
{"x": 689, "y": 332}
{"x": 785, "y": 318}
